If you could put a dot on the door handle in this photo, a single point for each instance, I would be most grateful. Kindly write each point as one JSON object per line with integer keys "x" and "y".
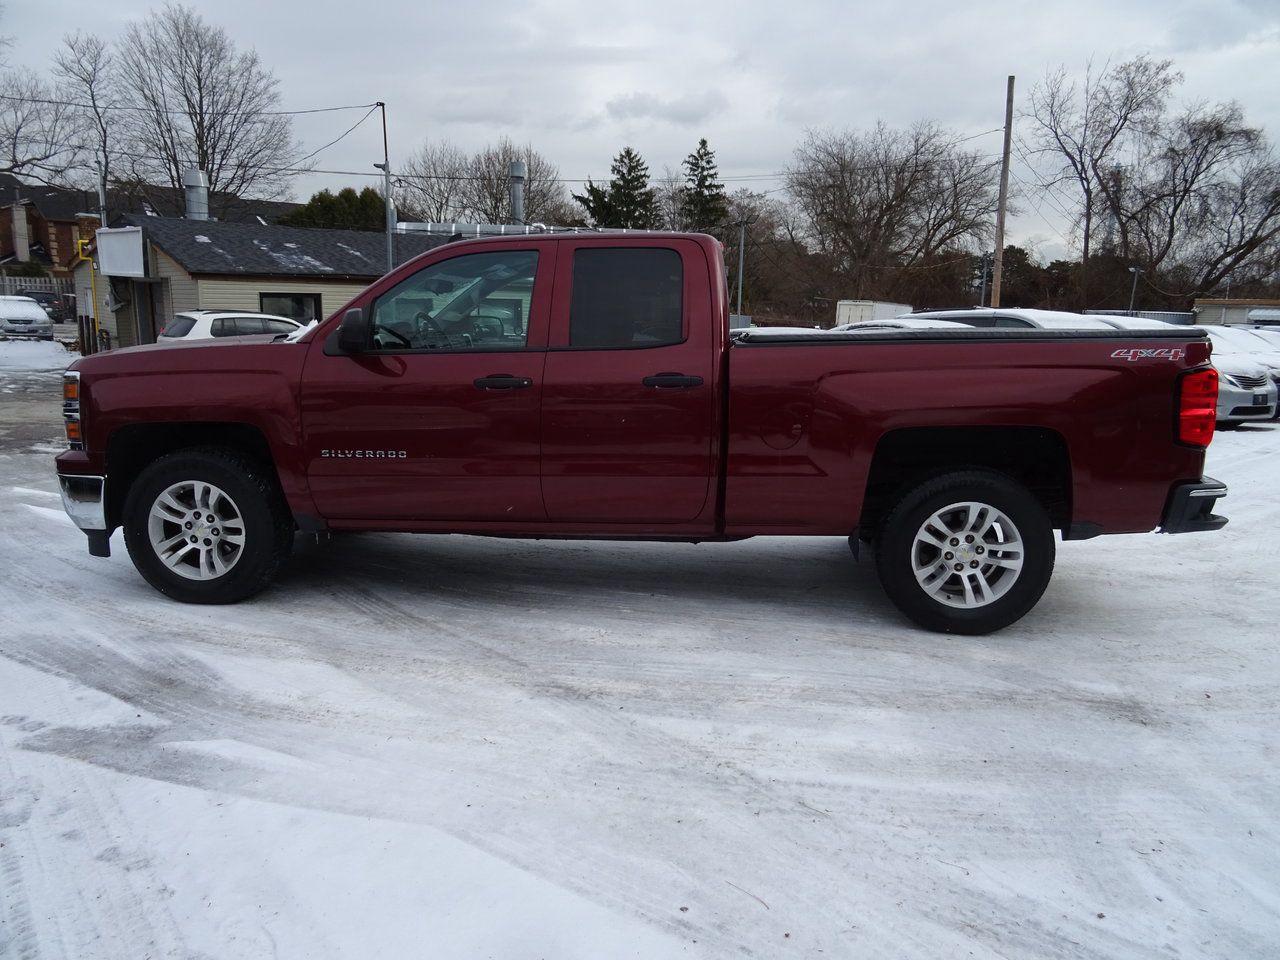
{"x": 672, "y": 381}
{"x": 502, "y": 381}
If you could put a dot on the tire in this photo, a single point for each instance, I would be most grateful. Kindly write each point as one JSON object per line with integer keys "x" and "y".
{"x": 246, "y": 522}
{"x": 1018, "y": 531}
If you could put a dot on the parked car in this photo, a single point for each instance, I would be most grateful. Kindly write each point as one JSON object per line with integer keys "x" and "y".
{"x": 207, "y": 324}
{"x": 612, "y": 403}
{"x": 1270, "y": 334}
{"x": 53, "y": 304}
{"x": 1251, "y": 372}
{"x": 23, "y": 317}
{"x": 900, "y": 323}
{"x": 1019, "y": 318}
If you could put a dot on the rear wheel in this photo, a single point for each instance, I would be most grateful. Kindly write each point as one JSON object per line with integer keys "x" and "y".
{"x": 206, "y": 526}
{"x": 968, "y": 552}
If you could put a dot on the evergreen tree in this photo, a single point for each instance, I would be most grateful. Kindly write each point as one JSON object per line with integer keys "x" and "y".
{"x": 628, "y": 201}
{"x": 345, "y": 210}
{"x": 702, "y": 202}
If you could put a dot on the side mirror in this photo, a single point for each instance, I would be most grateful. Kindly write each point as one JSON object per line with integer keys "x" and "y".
{"x": 353, "y": 332}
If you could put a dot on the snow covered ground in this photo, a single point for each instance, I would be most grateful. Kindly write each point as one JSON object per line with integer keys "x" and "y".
{"x": 33, "y": 355}
{"x": 451, "y": 747}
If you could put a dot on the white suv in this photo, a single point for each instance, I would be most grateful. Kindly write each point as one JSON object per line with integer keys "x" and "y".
{"x": 206, "y": 324}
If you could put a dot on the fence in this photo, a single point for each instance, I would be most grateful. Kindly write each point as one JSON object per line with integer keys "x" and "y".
{"x": 12, "y": 285}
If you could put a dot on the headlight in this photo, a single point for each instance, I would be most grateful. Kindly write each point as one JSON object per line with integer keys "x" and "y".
{"x": 1231, "y": 380}
{"x": 71, "y": 409}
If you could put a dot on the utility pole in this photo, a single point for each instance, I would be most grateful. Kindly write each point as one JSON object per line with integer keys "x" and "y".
{"x": 1133, "y": 292}
{"x": 102, "y": 196}
{"x": 385, "y": 167}
{"x": 997, "y": 271}
{"x": 742, "y": 250}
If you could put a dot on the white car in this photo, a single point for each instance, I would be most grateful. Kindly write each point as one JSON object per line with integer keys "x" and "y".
{"x": 23, "y": 317}
{"x": 908, "y": 322}
{"x": 1254, "y": 392}
{"x": 1019, "y": 318}
{"x": 207, "y": 324}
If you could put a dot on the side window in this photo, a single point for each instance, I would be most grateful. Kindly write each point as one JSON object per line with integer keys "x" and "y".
{"x": 1010, "y": 323}
{"x": 247, "y": 325}
{"x": 222, "y": 327}
{"x": 278, "y": 326}
{"x": 478, "y": 301}
{"x": 626, "y": 297}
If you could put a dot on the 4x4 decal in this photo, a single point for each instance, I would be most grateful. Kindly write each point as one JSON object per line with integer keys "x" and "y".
{"x": 1149, "y": 353}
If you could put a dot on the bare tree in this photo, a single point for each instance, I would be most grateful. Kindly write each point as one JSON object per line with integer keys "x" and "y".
{"x": 669, "y": 190}
{"x": 1080, "y": 127}
{"x": 87, "y": 69}
{"x": 433, "y": 185}
{"x": 488, "y": 194}
{"x": 40, "y": 136}
{"x": 1199, "y": 200}
{"x": 203, "y": 104}
{"x": 879, "y": 202}
{"x": 441, "y": 183}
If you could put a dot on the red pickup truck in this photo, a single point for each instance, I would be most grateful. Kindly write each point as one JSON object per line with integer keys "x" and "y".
{"x": 587, "y": 385}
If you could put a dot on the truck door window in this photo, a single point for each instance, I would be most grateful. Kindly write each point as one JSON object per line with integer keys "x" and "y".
{"x": 478, "y": 301}
{"x": 626, "y": 298}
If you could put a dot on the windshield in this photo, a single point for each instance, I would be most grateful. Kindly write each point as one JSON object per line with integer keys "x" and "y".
{"x": 1237, "y": 341}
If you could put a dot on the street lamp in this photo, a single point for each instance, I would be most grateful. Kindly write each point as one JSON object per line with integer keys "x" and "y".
{"x": 1133, "y": 292}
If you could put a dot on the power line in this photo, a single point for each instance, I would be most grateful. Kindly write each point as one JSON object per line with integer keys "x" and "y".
{"x": 143, "y": 109}
{"x": 342, "y": 137}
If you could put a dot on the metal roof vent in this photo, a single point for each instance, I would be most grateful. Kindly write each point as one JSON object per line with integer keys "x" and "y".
{"x": 196, "y": 185}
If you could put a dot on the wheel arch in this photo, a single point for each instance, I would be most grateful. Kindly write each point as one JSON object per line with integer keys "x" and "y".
{"x": 1036, "y": 457}
{"x": 133, "y": 446}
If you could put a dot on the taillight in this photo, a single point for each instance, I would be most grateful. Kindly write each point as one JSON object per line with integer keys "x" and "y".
{"x": 71, "y": 409}
{"x": 1197, "y": 406}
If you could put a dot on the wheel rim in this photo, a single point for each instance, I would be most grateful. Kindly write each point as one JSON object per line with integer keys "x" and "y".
{"x": 967, "y": 555}
{"x": 196, "y": 530}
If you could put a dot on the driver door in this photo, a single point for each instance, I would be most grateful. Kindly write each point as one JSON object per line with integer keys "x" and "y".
{"x": 439, "y": 418}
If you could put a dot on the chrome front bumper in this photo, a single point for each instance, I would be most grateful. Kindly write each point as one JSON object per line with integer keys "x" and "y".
{"x": 84, "y": 500}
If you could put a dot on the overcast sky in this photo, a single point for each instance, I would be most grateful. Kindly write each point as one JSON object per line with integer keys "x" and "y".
{"x": 581, "y": 79}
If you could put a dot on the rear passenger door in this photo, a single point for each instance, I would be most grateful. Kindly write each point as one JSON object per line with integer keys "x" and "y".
{"x": 628, "y": 400}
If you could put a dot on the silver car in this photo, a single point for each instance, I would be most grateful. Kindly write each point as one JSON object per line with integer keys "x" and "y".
{"x": 23, "y": 317}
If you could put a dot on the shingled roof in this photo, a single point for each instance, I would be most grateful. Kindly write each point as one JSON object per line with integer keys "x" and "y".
{"x": 210, "y": 247}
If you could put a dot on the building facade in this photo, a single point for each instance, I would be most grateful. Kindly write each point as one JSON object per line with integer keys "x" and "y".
{"x": 300, "y": 273}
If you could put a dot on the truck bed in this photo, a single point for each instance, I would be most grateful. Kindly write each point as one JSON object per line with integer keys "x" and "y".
{"x": 808, "y": 413}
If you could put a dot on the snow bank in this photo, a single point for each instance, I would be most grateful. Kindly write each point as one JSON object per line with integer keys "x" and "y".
{"x": 34, "y": 355}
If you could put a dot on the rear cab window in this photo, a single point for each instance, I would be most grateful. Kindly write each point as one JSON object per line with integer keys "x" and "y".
{"x": 626, "y": 298}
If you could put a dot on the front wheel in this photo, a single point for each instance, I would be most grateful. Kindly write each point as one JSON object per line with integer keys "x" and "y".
{"x": 206, "y": 526}
{"x": 967, "y": 552}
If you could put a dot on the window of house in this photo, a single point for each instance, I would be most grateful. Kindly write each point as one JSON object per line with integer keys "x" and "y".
{"x": 303, "y": 307}
{"x": 626, "y": 297}
{"x": 478, "y": 301}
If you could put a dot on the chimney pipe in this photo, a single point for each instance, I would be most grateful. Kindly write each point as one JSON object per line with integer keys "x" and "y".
{"x": 516, "y": 174}
{"x": 196, "y": 186}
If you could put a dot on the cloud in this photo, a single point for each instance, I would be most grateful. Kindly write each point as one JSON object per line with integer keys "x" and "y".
{"x": 686, "y": 109}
